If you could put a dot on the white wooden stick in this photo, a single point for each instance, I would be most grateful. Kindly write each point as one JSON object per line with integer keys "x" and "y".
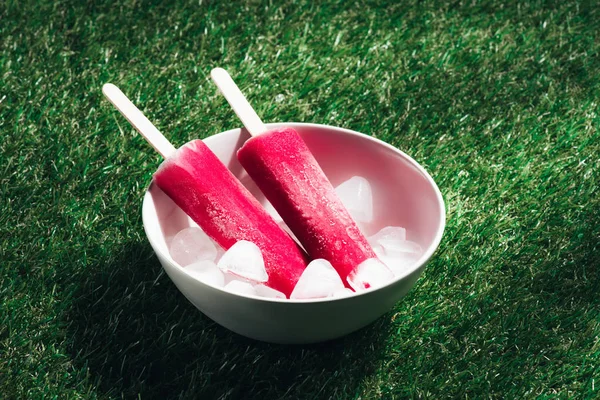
{"x": 138, "y": 120}
{"x": 238, "y": 102}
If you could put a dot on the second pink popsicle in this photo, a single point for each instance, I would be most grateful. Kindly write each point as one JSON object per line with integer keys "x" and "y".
{"x": 288, "y": 174}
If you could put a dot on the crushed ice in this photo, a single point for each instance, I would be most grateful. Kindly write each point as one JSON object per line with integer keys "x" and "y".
{"x": 245, "y": 260}
{"x": 265, "y": 291}
{"x": 241, "y": 269}
{"x": 240, "y": 287}
{"x": 357, "y": 197}
{"x": 318, "y": 280}
{"x": 206, "y": 271}
{"x": 394, "y": 250}
{"x": 190, "y": 245}
{"x": 370, "y": 274}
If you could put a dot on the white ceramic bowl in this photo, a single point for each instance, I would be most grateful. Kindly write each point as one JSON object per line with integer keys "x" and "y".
{"x": 403, "y": 195}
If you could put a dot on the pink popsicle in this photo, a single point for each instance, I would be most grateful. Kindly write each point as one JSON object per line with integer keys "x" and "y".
{"x": 288, "y": 174}
{"x": 196, "y": 180}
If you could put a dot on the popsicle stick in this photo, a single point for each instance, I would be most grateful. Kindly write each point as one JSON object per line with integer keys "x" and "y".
{"x": 238, "y": 102}
{"x": 139, "y": 121}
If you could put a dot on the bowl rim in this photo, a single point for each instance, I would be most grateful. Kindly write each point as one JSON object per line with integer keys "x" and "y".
{"x": 421, "y": 262}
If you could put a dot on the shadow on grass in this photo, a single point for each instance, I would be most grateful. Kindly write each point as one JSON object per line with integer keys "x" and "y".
{"x": 135, "y": 333}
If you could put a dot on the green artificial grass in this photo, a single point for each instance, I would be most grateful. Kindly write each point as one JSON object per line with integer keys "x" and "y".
{"x": 499, "y": 101}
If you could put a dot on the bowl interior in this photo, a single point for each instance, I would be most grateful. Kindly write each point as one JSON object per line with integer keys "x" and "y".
{"x": 403, "y": 193}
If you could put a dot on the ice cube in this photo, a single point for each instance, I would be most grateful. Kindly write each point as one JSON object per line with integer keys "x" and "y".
{"x": 319, "y": 279}
{"x": 357, "y": 197}
{"x": 245, "y": 260}
{"x": 392, "y": 241}
{"x": 394, "y": 250}
{"x": 207, "y": 272}
{"x": 265, "y": 291}
{"x": 345, "y": 292}
{"x": 400, "y": 263}
{"x": 190, "y": 245}
{"x": 401, "y": 248}
{"x": 369, "y": 274}
{"x": 388, "y": 236}
{"x": 240, "y": 287}
{"x": 230, "y": 277}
